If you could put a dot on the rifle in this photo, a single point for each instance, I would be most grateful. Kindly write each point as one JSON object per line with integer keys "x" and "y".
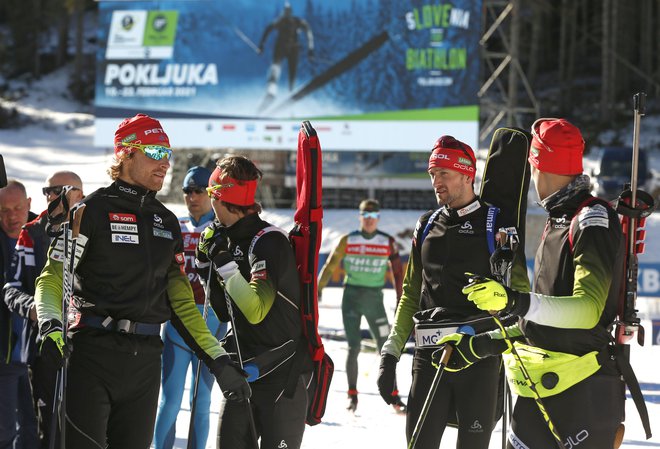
{"x": 634, "y": 206}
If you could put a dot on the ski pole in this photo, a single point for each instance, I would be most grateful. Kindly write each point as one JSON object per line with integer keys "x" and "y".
{"x": 501, "y": 267}
{"x": 446, "y": 354}
{"x": 68, "y": 268}
{"x": 228, "y": 300}
{"x": 532, "y": 386}
{"x": 501, "y": 263}
{"x": 193, "y": 407}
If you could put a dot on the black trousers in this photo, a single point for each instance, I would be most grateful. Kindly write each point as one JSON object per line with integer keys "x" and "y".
{"x": 44, "y": 378}
{"x": 112, "y": 389}
{"x": 469, "y": 395}
{"x": 280, "y": 421}
{"x": 586, "y": 416}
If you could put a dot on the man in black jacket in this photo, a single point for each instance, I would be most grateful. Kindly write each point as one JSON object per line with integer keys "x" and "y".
{"x": 128, "y": 279}
{"x": 257, "y": 266}
{"x": 446, "y": 243}
{"x": 18, "y": 425}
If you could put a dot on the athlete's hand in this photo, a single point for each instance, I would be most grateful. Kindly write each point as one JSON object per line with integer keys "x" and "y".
{"x": 211, "y": 241}
{"x": 387, "y": 377}
{"x": 485, "y": 293}
{"x": 468, "y": 349}
{"x": 53, "y": 348}
{"x": 232, "y": 379}
{"x": 225, "y": 265}
{"x": 492, "y": 296}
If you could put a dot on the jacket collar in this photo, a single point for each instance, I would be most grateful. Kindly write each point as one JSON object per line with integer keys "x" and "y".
{"x": 131, "y": 191}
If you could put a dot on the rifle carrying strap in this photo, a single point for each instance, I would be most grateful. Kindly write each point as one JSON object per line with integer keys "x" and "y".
{"x": 630, "y": 379}
{"x": 491, "y": 217}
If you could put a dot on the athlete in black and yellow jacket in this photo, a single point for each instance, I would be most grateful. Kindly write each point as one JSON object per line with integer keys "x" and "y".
{"x": 128, "y": 279}
{"x": 563, "y": 337}
{"x": 257, "y": 267}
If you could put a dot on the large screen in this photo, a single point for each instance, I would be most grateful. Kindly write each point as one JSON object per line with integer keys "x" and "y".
{"x": 371, "y": 75}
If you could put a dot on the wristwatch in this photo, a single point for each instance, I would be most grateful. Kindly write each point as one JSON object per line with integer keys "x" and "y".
{"x": 49, "y": 326}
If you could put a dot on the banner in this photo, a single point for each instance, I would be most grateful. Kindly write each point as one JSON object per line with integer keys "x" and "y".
{"x": 374, "y": 75}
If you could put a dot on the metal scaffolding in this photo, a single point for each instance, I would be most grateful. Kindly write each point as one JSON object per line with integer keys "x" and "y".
{"x": 499, "y": 95}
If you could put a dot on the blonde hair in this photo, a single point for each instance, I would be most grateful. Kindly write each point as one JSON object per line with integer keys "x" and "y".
{"x": 115, "y": 169}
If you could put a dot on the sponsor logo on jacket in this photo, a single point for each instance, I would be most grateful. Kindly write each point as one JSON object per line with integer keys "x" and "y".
{"x": 126, "y": 238}
{"x": 128, "y": 190}
{"x": 162, "y": 233}
{"x": 122, "y": 218}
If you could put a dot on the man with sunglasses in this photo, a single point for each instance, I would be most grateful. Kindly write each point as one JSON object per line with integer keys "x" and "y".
{"x": 367, "y": 255}
{"x": 256, "y": 282}
{"x": 177, "y": 356}
{"x": 28, "y": 261}
{"x": 446, "y": 243}
{"x": 128, "y": 279}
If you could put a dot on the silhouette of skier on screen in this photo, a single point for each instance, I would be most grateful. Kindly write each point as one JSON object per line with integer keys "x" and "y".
{"x": 287, "y": 47}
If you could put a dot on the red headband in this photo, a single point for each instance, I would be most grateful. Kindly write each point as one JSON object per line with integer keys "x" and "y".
{"x": 230, "y": 190}
{"x": 454, "y": 155}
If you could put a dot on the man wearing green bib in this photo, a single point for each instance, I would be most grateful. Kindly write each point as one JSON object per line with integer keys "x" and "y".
{"x": 367, "y": 255}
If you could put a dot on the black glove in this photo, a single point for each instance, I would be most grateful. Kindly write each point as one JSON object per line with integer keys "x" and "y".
{"x": 53, "y": 349}
{"x": 212, "y": 240}
{"x": 224, "y": 264}
{"x": 387, "y": 377}
{"x": 232, "y": 379}
{"x": 468, "y": 349}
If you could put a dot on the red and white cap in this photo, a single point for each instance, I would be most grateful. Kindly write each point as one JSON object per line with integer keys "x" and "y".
{"x": 454, "y": 155}
{"x": 140, "y": 129}
{"x": 557, "y": 147}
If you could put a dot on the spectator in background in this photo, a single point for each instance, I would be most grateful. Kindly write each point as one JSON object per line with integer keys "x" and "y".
{"x": 18, "y": 423}
{"x": 367, "y": 255}
{"x": 177, "y": 355}
{"x": 28, "y": 261}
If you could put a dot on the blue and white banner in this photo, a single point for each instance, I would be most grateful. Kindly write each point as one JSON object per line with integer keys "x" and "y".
{"x": 373, "y": 75}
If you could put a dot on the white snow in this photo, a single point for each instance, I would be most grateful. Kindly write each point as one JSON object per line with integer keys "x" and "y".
{"x": 61, "y": 138}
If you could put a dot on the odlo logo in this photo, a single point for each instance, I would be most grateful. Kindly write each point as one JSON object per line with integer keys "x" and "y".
{"x": 128, "y": 190}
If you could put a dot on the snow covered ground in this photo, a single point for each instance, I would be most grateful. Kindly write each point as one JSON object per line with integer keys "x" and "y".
{"x": 61, "y": 138}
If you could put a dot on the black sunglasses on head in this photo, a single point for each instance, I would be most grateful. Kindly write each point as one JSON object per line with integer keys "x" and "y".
{"x": 56, "y": 190}
{"x": 197, "y": 190}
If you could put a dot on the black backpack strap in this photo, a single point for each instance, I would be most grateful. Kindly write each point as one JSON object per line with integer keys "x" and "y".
{"x": 629, "y": 377}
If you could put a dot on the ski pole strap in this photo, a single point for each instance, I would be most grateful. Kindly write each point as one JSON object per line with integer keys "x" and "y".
{"x": 491, "y": 217}
{"x": 633, "y": 386}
